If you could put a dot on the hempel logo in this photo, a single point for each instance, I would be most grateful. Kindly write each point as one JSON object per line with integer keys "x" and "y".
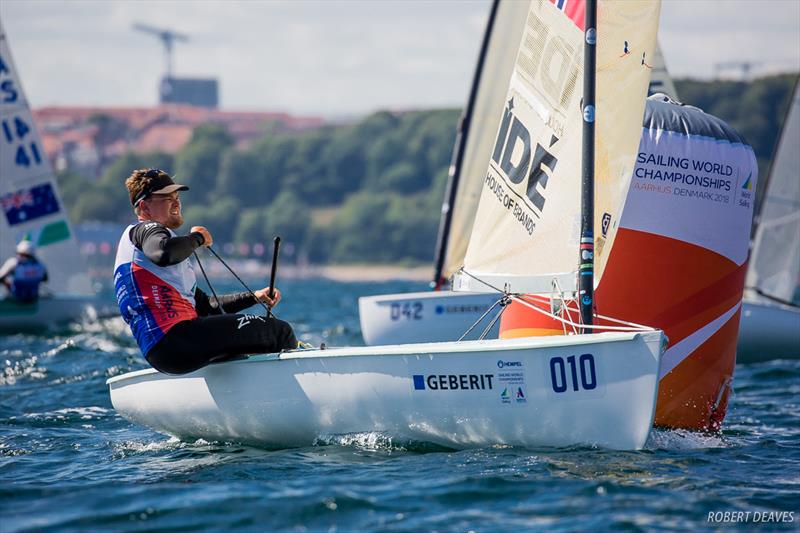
{"x": 505, "y": 364}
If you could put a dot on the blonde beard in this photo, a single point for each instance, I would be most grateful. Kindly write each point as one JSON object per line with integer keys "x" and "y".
{"x": 174, "y": 221}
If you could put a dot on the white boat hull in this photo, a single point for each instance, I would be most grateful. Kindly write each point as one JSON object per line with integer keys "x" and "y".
{"x": 768, "y": 331}
{"x": 459, "y": 395}
{"x": 424, "y": 316}
{"x": 47, "y": 312}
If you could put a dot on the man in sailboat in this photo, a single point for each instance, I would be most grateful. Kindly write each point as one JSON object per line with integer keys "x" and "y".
{"x": 177, "y": 326}
{"x": 23, "y": 273}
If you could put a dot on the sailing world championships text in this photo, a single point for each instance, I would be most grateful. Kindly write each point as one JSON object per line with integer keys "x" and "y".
{"x": 684, "y": 163}
{"x": 518, "y": 210}
{"x": 692, "y": 174}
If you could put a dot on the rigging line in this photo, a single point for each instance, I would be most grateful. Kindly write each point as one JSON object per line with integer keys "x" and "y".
{"x": 481, "y": 281}
{"x": 569, "y": 317}
{"x": 504, "y": 301}
{"x": 210, "y": 249}
{"x": 559, "y": 292}
{"x": 633, "y": 327}
{"x": 620, "y": 321}
{"x": 535, "y": 298}
{"x": 208, "y": 281}
{"x": 461, "y": 338}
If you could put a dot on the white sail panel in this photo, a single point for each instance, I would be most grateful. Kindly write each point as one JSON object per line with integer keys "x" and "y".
{"x": 528, "y": 219}
{"x": 660, "y": 80}
{"x": 487, "y": 110}
{"x": 528, "y": 216}
{"x": 29, "y": 201}
{"x": 775, "y": 263}
{"x": 626, "y": 46}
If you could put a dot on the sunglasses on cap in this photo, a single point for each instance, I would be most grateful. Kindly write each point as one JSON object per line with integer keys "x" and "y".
{"x": 159, "y": 181}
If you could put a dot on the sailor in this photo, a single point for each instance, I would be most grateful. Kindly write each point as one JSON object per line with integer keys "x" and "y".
{"x": 177, "y": 326}
{"x": 23, "y": 273}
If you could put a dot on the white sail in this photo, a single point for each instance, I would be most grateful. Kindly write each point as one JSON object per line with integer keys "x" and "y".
{"x": 487, "y": 109}
{"x": 775, "y": 262}
{"x": 526, "y": 229}
{"x": 29, "y": 198}
{"x": 660, "y": 80}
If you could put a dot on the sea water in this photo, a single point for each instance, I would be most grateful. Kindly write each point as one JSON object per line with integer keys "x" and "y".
{"x": 69, "y": 462}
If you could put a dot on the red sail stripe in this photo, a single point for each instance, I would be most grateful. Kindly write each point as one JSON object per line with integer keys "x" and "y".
{"x": 574, "y": 9}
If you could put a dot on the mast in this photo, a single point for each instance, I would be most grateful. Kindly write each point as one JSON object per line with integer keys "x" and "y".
{"x": 454, "y": 174}
{"x": 586, "y": 268}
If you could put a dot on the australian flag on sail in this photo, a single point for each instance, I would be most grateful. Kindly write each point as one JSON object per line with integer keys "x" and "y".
{"x": 574, "y": 9}
{"x": 28, "y": 204}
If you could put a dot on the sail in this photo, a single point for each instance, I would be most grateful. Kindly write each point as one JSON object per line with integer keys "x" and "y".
{"x": 478, "y": 129}
{"x": 660, "y": 80}
{"x": 526, "y": 228}
{"x": 31, "y": 205}
{"x": 775, "y": 261}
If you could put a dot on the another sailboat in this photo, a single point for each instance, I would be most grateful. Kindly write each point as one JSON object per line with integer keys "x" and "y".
{"x": 770, "y": 325}
{"x": 32, "y": 209}
{"x": 660, "y": 80}
{"x": 550, "y": 391}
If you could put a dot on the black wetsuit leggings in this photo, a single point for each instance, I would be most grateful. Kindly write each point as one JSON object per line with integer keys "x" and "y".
{"x": 193, "y": 344}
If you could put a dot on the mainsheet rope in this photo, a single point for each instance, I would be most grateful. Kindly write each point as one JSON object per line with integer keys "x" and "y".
{"x": 219, "y": 305}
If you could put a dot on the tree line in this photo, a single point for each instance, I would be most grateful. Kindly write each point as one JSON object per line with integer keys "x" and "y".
{"x": 367, "y": 192}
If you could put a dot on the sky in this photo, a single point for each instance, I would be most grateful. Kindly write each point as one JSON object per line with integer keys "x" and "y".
{"x": 334, "y": 58}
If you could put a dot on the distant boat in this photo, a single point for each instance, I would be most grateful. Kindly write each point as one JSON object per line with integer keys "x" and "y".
{"x": 770, "y": 326}
{"x": 588, "y": 388}
{"x": 660, "y": 80}
{"x": 32, "y": 209}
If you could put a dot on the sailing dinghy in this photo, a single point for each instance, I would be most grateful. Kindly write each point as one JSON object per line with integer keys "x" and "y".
{"x": 32, "y": 209}
{"x": 770, "y": 325}
{"x": 587, "y": 388}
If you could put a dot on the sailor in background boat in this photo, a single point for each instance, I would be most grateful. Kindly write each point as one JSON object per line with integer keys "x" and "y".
{"x": 177, "y": 326}
{"x": 23, "y": 273}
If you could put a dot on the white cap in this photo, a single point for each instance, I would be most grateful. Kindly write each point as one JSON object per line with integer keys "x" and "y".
{"x": 26, "y": 247}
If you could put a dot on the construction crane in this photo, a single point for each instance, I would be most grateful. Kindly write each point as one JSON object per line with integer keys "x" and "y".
{"x": 168, "y": 37}
{"x": 744, "y": 68}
